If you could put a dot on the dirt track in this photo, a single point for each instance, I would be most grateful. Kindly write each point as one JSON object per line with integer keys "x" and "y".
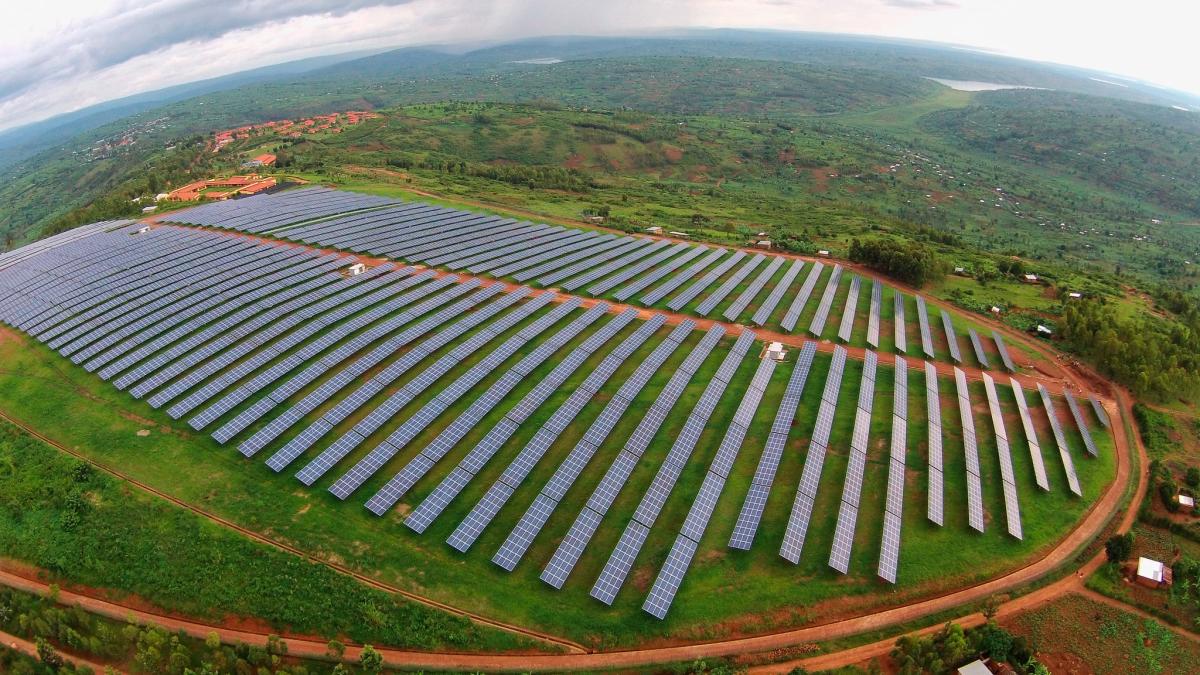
{"x": 30, "y": 649}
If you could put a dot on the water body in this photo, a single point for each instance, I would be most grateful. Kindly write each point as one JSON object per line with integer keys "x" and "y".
{"x": 974, "y": 85}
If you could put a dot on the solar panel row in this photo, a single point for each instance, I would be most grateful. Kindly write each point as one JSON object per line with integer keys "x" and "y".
{"x": 1080, "y": 423}
{"x": 847, "y": 323}
{"x": 951, "y": 338}
{"x": 923, "y": 321}
{"x": 873, "y": 317}
{"x": 1012, "y": 507}
{"x": 977, "y": 345}
{"x": 1035, "y": 450}
{"x": 843, "y": 533}
{"x": 797, "y": 527}
{"x": 1003, "y": 349}
{"x": 1061, "y": 441}
{"x": 889, "y": 551}
{"x": 901, "y": 332}
{"x": 935, "y": 507}
{"x": 710, "y": 277}
{"x": 743, "y": 300}
{"x": 971, "y": 450}
{"x": 764, "y": 311}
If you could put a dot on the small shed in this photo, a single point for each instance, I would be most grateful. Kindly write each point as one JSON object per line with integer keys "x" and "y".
{"x": 1044, "y": 331}
{"x": 975, "y": 667}
{"x": 1074, "y": 295}
{"x": 149, "y": 209}
{"x": 1031, "y": 278}
{"x": 1153, "y": 574}
{"x": 823, "y": 253}
{"x": 356, "y": 269}
{"x": 654, "y": 230}
{"x": 684, "y": 235}
{"x": 1186, "y": 502}
{"x": 144, "y": 229}
{"x": 763, "y": 243}
{"x": 995, "y": 310}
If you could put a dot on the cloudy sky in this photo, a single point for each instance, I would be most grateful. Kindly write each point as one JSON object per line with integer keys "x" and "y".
{"x": 63, "y": 55}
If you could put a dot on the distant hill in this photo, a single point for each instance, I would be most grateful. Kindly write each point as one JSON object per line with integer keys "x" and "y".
{"x": 27, "y": 140}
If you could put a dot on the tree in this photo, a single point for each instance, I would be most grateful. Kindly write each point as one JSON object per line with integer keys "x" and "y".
{"x": 990, "y": 607}
{"x": 1193, "y": 477}
{"x": 370, "y": 660}
{"x": 336, "y": 650}
{"x": 48, "y": 655}
{"x": 1119, "y": 547}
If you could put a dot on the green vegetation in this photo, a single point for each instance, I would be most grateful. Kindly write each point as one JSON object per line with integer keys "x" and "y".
{"x": 87, "y": 528}
{"x": 1074, "y": 632}
{"x": 951, "y": 647}
{"x": 57, "y": 629}
{"x": 909, "y": 262}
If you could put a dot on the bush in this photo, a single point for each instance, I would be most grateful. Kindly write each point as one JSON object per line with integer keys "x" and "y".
{"x": 1119, "y": 548}
{"x": 1193, "y": 477}
{"x": 909, "y": 262}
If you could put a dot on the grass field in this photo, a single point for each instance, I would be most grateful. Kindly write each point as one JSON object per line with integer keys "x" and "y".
{"x": 726, "y": 592}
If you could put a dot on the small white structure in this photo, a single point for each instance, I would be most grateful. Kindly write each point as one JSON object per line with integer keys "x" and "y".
{"x": 654, "y": 230}
{"x": 823, "y": 253}
{"x": 1042, "y": 330}
{"x": 149, "y": 209}
{"x": 1031, "y": 278}
{"x": 761, "y": 234}
{"x": 1153, "y": 573}
{"x": 144, "y": 229}
{"x": 1187, "y": 502}
{"x": 684, "y": 235}
{"x": 356, "y": 269}
{"x": 763, "y": 243}
{"x": 995, "y": 309}
{"x": 776, "y": 351}
{"x": 160, "y": 196}
{"x": 1074, "y": 295}
{"x": 960, "y": 270}
{"x": 975, "y": 667}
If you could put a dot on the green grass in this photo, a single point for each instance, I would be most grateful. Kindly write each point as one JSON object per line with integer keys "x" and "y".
{"x": 85, "y": 527}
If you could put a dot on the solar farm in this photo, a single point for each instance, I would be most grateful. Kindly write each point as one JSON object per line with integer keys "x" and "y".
{"x": 588, "y": 422}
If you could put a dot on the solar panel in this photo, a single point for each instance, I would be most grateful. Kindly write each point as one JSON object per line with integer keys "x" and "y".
{"x": 1060, "y": 440}
{"x": 923, "y": 320}
{"x": 980, "y": 354}
{"x": 817, "y": 325}
{"x": 1008, "y": 477}
{"x": 661, "y": 291}
{"x": 1080, "y": 423}
{"x": 971, "y": 450}
{"x": 659, "y": 271}
{"x": 935, "y": 508}
{"x": 631, "y": 271}
{"x": 743, "y": 300}
{"x": 763, "y": 313}
{"x": 951, "y": 338}
{"x": 1035, "y": 451}
{"x": 1003, "y": 349}
{"x": 797, "y": 527}
{"x": 901, "y": 337}
{"x": 873, "y": 315}
{"x": 1099, "y": 410}
{"x": 692, "y": 292}
{"x": 843, "y": 536}
{"x": 847, "y": 324}
{"x": 802, "y": 296}
{"x": 612, "y": 577}
{"x": 669, "y": 578}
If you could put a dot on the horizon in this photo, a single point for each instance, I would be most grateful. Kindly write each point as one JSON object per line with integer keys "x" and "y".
{"x": 69, "y": 58}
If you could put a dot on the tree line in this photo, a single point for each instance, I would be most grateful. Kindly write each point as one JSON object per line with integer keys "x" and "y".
{"x": 906, "y": 261}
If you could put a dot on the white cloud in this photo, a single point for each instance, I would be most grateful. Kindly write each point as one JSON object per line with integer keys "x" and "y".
{"x": 68, "y": 55}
